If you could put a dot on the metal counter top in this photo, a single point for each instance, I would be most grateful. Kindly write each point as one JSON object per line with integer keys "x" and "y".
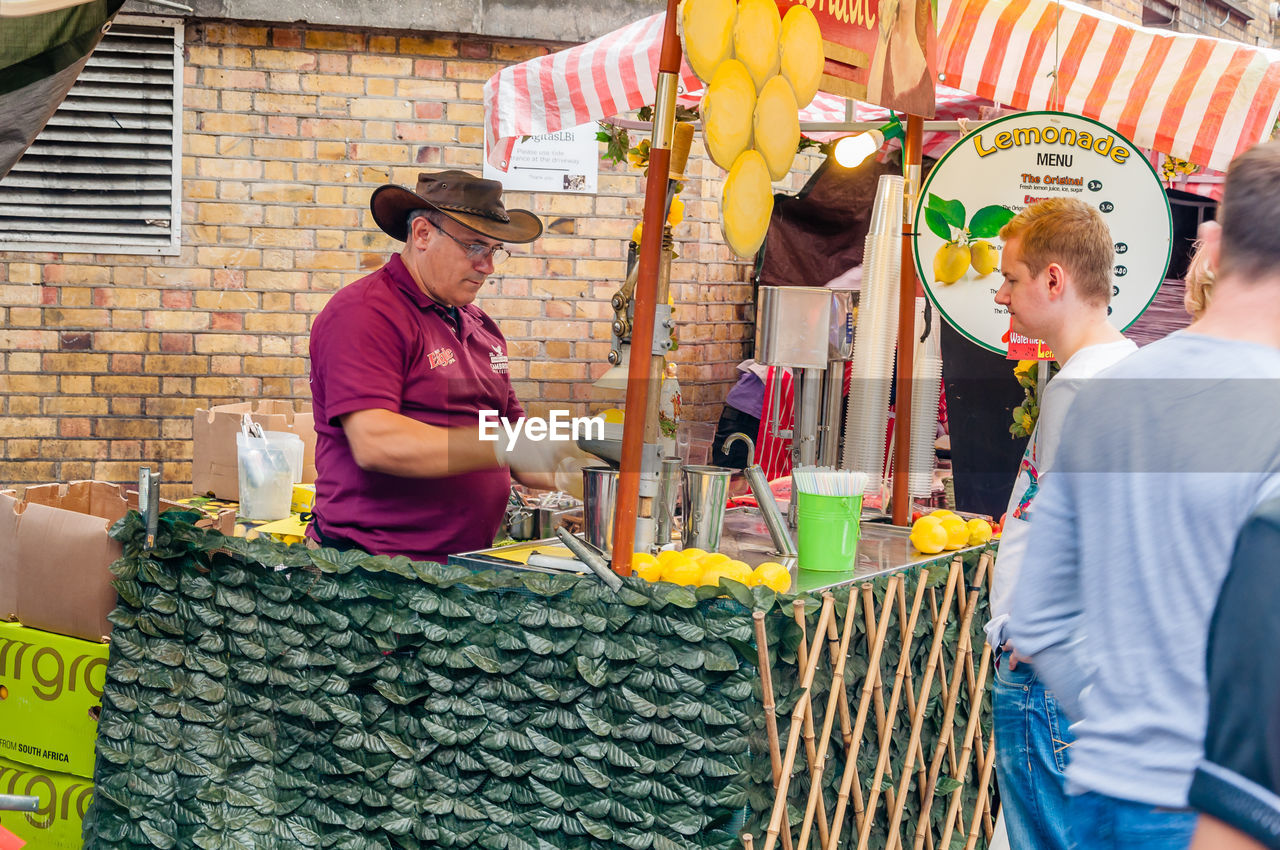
{"x": 882, "y": 549}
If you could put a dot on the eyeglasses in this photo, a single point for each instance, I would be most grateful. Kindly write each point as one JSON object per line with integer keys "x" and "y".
{"x": 477, "y": 251}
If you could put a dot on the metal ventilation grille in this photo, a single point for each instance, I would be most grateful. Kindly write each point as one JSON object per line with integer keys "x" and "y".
{"x": 103, "y": 176}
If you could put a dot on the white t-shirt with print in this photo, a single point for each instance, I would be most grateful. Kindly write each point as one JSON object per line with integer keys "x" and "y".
{"x": 1041, "y": 448}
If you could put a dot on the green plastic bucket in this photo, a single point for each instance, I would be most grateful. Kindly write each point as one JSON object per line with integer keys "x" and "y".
{"x": 828, "y": 532}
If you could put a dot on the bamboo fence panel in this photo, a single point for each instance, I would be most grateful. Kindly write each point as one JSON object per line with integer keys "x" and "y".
{"x": 895, "y": 717}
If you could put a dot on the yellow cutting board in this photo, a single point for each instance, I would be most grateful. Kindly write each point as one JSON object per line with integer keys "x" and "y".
{"x": 520, "y": 553}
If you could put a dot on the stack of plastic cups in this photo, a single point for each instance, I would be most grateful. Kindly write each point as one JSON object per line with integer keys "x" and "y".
{"x": 867, "y": 408}
{"x": 926, "y": 384}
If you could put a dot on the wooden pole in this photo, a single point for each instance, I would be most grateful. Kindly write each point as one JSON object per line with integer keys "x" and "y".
{"x": 793, "y": 735}
{"x": 850, "y": 783}
{"x": 840, "y": 656}
{"x": 770, "y": 712}
{"x": 917, "y": 723}
{"x": 882, "y": 763}
{"x": 906, "y": 324}
{"x": 837, "y": 653}
{"x": 640, "y": 381}
{"x": 810, "y": 750}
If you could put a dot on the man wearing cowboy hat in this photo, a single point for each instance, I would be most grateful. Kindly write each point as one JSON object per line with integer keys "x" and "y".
{"x": 402, "y": 364}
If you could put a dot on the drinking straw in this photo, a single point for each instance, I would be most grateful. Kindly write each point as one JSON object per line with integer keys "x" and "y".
{"x": 829, "y": 481}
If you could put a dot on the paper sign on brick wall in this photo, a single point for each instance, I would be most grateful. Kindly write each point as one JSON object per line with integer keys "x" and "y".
{"x": 565, "y": 161}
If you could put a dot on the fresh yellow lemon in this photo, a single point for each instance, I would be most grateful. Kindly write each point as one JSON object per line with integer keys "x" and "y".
{"x": 979, "y": 531}
{"x": 666, "y": 556}
{"x": 957, "y": 532}
{"x": 612, "y": 416}
{"x": 694, "y": 552}
{"x": 941, "y": 513}
{"x": 684, "y": 572}
{"x": 984, "y": 256}
{"x": 713, "y": 559}
{"x": 638, "y": 233}
{"x": 739, "y": 571}
{"x": 951, "y": 262}
{"x": 771, "y": 574}
{"x": 928, "y": 535}
{"x": 646, "y": 566}
{"x": 711, "y": 575}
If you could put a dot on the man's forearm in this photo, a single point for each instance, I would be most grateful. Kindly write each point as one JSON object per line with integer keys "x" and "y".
{"x": 393, "y": 444}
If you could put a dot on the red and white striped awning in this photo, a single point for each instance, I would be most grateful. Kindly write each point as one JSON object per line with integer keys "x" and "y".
{"x": 613, "y": 74}
{"x": 1196, "y": 98}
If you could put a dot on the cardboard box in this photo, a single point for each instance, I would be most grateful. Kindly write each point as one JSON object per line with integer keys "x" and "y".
{"x": 49, "y": 717}
{"x": 55, "y": 555}
{"x": 214, "y": 469}
{"x": 64, "y": 799}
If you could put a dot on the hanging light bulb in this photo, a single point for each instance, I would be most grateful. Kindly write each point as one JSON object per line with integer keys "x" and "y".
{"x": 850, "y": 151}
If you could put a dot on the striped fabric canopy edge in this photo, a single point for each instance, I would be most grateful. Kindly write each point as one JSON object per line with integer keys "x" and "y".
{"x": 1196, "y": 98}
{"x": 608, "y": 76}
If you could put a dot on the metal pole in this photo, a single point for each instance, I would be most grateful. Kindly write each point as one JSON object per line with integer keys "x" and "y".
{"x": 906, "y": 324}
{"x": 640, "y": 378}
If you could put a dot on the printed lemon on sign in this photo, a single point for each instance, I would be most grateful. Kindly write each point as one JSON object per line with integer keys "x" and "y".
{"x": 984, "y": 257}
{"x": 951, "y": 262}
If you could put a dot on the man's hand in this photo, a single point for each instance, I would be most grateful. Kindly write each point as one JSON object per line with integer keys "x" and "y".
{"x": 1014, "y": 658}
{"x": 545, "y": 464}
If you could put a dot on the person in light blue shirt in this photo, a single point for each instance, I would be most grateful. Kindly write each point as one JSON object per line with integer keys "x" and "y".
{"x": 1056, "y": 266}
{"x": 1164, "y": 456}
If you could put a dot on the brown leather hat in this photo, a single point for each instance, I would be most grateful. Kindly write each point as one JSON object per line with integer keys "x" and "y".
{"x": 472, "y": 201}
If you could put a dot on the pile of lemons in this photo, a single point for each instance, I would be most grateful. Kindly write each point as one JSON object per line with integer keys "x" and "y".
{"x": 942, "y": 529}
{"x": 696, "y": 567}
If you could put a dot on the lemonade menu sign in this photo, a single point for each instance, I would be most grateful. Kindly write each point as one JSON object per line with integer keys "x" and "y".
{"x": 1009, "y": 164}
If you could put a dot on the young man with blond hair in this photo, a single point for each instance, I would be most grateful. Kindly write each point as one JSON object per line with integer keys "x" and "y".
{"x": 1168, "y": 452}
{"x": 1057, "y": 261}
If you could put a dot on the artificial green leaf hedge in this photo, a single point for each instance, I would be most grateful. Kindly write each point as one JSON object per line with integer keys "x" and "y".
{"x": 268, "y": 696}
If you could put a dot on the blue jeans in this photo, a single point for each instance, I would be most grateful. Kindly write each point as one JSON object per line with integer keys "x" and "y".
{"x": 1099, "y": 822}
{"x": 1031, "y": 759}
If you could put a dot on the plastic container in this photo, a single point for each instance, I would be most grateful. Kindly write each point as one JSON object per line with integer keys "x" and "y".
{"x": 828, "y": 532}
{"x": 291, "y": 445}
{"x": 266, "y": 480}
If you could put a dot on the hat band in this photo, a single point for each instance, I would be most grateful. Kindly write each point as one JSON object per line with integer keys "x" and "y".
{"x": 496, "y": 216}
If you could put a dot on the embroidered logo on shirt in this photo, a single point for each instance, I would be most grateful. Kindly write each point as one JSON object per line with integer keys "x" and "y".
{"x": 498, "y": 360}
{"x": 441, "y": 357}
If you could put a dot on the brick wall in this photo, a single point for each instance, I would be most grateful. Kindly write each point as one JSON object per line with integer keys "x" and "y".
{"x": 287, "y": 130}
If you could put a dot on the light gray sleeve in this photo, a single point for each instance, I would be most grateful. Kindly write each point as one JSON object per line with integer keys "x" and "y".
{"x": 1047, "y": 598}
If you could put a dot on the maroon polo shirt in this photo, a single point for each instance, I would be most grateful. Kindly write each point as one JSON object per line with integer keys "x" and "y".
{"x": 381, "y": 343}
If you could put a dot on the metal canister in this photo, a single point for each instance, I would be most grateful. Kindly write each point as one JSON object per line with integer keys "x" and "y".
{"x": 599, "y": 500}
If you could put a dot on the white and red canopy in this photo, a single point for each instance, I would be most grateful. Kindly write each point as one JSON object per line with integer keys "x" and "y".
{"x": 1197, "y": 98}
